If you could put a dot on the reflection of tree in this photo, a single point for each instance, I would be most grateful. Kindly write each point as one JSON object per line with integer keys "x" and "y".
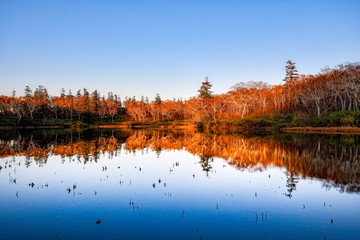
{"x": 335, "y": 161}
{"x": 158, "y": 152}
{"x": 205, "y": 163}
{"x": 27, "y": 161}
{"x": 291, "y": 181}
{"x": 339, "y": 165}
{"x": 84, "y": 146}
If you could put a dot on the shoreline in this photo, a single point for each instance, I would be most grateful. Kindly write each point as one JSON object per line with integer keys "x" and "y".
{"x": 145, "y": 126}
{"x": 188, "y": 126}
{"x": 5, "y": 128}
{"x": 323, "y": 130}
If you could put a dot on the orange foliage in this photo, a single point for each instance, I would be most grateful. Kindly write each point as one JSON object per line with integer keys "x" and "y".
{"x": 337, "y": 165}
{"x": 336, "y": 89}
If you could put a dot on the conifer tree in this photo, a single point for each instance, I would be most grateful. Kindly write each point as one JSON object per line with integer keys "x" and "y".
{"x": 62, "y": 93}
{"x": 95, "y": 101}
{"x": 205, "y": 95}
{"x": 158, "y": 99}
{"x": 204, "y": 91}
{"x": 28, "y": 92}
{"x": 291, "y": 79}
{"x": 291, "y": 72}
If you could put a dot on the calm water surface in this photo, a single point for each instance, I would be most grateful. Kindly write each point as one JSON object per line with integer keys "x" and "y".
{"x": 178, "y": 185}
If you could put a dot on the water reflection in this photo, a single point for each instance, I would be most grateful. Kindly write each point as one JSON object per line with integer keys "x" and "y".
{"x": 109, "y": 184}
{"x": 334, "y": 159}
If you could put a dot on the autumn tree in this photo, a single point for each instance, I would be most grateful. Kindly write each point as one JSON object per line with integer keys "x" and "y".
{"x": 191, "y": 110}
{"x": 216, "y": 106}
{"x": 95, "y": 102}
{"x": 156, "y": 108}
{"x": 31, "y": 103}
{"x": 55, "y": 105}
{"x": 82, "y": 104}
{"x": 333, "y": 89}
{"x": 42, "y": 98}
{"x": 69, "y": 104}
{"x": 135, "y": 109}
{"x": 11, "y": 106}
{"x": 111, "y": 108}
{"x": 16, "y": 106}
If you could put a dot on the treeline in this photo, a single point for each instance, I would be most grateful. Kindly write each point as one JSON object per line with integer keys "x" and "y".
{"x": 80, "y": 107}
{"x": 334, "y": 89}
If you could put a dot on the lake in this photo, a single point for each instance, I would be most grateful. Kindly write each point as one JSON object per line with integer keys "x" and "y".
{"x": 143, "y": 184}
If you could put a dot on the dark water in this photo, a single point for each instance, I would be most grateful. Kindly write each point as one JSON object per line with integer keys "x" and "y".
{"x": 178, "y": 185}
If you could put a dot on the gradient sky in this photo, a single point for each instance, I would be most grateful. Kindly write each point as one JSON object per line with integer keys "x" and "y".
{"x": 136, "y": 48}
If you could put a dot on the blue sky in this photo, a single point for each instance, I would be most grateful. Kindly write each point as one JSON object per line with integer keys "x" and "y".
{"x": 136, "y": 48}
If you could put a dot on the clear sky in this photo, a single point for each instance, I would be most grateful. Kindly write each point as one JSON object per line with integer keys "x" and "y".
{"x": 136, "y": 48}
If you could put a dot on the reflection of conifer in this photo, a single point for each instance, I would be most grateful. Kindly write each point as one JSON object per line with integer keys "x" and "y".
{"x": 291, "y": 182}
{"x": 96, "y": 151}
{"x": 205, "y": 163}
{"x": 158, "y": 152}
{"x": 27, "y": 161}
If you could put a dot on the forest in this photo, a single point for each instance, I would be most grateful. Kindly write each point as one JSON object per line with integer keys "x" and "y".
{"x": 329, "y": 98}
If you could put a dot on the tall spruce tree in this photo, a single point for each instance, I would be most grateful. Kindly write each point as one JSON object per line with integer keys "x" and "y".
{"x": 157, "y": 99}
{"x": 291, "y": 72}
{"x": 62, "y": 93}
{"x": 28, "y": 92}
{"x": 204, "y": 91}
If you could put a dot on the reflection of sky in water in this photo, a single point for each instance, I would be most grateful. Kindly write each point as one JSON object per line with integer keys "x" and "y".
{"x": 187, "y": 203}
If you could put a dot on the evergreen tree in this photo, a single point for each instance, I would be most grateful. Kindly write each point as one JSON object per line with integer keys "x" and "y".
{"x": 41, "y": 94}
{"x": 71, "y": 103}
{"x": 291, "y": 72}
{"x": 70, "y": 94}
{"x": 204, "y": 91}
{"x": 28, "y": 92}
{"x": 110, "y": 96}
{"x": 291, "y": 78}
{"x": 158, "y": 99}
{"x": 95, "y": 101}
{"x": 62, "y": 93}
{"x": 205, "y": 94}
{"x": 78, "y": 93}
{"x": 85, "y": 101}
